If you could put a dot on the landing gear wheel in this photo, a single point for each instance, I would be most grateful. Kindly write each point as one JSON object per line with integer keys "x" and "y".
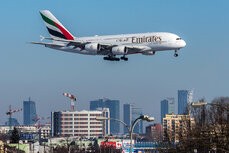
{"x": 116, "y": 59}
{"x": 175, "y": 54}
{"x": 124, "y": 58}
{"x": 111, "y": 58}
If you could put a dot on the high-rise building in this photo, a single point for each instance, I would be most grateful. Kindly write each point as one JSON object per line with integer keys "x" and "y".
{"x": 127, "y": 115}
{"x": 167, "y": 107}
{"x": 130, "y": 113}
{"x": 154, "y": 131}
{"x": 29, "y": 112}
{"x": 139, "y": 126}
{"x": 114, "y": 107}
{"x": 80, "y": 123}
{"x": 184, "y": 100}
{"x": 176, "y": 127}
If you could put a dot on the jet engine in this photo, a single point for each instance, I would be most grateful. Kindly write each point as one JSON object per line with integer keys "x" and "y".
{"x": 149, "y": 53}
{"x": 119, "y": 50}
{"x": 92, "y": 47}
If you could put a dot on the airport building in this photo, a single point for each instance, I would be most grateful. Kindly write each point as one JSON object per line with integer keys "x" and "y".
{"x": 29, "y": 112}
{"x": 184, "y": 100}
{"x": 80, "y": 123}
{"x": 167, "y": 107}
{"x": 176, "y": 127}
{"x": 114, "y": 107}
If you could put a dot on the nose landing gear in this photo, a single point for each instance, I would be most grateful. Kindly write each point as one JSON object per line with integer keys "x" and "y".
{"x": 175, "y": 54}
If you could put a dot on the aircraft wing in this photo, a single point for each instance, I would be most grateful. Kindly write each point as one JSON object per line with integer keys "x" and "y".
{"x": 48, "y": 44}
{"x": 136, "y": 49}
{"x": 105, "y": 48}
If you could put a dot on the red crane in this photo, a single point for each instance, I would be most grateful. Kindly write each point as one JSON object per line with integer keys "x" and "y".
{"x": 10, "y": 112}
{"x": 72, "y": 97}
{"x": 39, "y": 119}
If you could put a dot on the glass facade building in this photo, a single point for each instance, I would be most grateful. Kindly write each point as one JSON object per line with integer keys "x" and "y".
{"x": 130, "y": 113}
{"x": 29, "y": 112}
{"x": 127, "y": 116}
{"x": 139, "y": 126}
{"x": 167, "y": 107}
{"x": 114, "y": 107}
{"x": 184, "y": 98}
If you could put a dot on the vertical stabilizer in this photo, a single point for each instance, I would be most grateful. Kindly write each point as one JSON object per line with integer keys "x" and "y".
{"x": 55, "y": 28}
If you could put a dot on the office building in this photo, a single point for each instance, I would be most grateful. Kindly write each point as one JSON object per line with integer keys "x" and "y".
{"x": 80, "y": 123}
{"x": 114, "y": 107}
{"x": 167, "y": 107}
{"x": 184, "y": 100}
{"x": 130, "y": 113}
{"x": 139, "y": 126}
{"x": 29, "y": 112}
{"x": 176, "y": 127}
{"x": 154, "y": 132}
{"x": 127, "y": 116}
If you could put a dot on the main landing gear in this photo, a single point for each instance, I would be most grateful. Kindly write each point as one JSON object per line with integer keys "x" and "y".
{"x": 124, "y": 58}
{"x": 111, "y": 58}
{"x": 175, "y": 54}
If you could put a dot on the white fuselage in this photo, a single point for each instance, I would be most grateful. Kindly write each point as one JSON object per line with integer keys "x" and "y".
{"x": 146, "y": 42}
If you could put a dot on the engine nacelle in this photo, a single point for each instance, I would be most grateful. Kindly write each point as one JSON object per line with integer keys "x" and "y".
{"x": 149, "y": 53}
{"x": 93, "y": 47}
{"x": 119, "y": 50}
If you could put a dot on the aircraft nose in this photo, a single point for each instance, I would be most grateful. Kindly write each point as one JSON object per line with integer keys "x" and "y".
{"x": 183, "y": 43}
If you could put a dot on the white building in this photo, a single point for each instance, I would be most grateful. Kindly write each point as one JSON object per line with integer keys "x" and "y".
{"x": 80, "y": 123}
{"x": 20, "y": 128}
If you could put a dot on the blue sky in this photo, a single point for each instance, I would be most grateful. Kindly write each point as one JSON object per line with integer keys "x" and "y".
{"x": 43, "y": 74}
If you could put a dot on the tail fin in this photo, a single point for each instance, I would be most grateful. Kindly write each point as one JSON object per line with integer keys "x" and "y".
{"x": 55, "y": 28}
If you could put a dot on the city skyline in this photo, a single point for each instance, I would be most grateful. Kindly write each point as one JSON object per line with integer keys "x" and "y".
{"x": 44, "y": 74}
{"x": 88, "y": 107}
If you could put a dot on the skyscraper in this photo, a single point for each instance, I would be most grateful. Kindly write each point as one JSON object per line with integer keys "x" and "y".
{"x": 114, "y": 107}
{"x": 184, "y": 98}
{"x": 167, "y": 107}
{"x": 139, "y": 126}
{"x": 127, "y": 115}
{"x": 29, "y": 109}
{"x": 130, "y": 113}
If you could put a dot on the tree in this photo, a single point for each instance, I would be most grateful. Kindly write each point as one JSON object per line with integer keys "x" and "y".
{"x": 211, "y": 130}
{"x": 4, "y": 137}
{"x": 15, "y": 136}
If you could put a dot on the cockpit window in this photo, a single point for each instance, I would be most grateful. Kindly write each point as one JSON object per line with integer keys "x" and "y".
{"x": 178, "y": 39}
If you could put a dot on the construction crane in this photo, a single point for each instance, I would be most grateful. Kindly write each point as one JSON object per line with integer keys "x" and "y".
{"x": 40, "y": 119}
{"x": 73, "y": 99}
{"x": 10, "y": 112}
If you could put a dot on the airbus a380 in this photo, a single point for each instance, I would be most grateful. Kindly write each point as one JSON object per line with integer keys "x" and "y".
{"x": 109, "y": 46}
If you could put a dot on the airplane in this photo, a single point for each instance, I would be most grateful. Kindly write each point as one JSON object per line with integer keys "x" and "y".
{"x": 109, "y": 46}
